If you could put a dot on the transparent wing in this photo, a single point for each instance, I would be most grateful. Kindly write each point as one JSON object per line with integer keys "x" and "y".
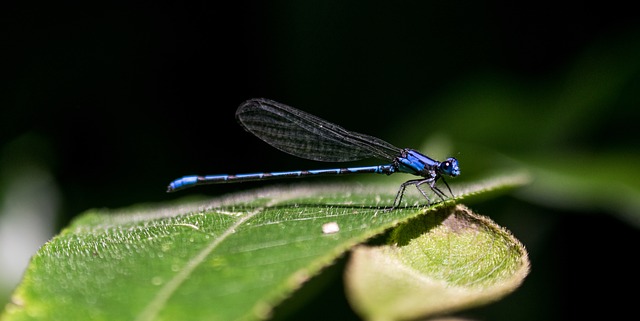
{"x": 304, "y": 135}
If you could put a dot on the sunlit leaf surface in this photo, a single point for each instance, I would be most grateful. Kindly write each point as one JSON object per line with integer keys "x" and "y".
{"x": 224, "y": 259}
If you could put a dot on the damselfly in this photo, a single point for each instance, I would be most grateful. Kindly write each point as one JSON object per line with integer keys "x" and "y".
{"x": 301, "y": 134}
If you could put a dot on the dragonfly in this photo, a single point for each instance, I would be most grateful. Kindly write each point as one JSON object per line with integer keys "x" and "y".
{"x": 301, "y": 134}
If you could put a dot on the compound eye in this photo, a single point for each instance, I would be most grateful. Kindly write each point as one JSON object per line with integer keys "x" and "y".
{"x": 450, "y": 167}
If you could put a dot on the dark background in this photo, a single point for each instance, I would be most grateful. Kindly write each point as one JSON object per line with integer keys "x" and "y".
{"x": 115, "y": 99}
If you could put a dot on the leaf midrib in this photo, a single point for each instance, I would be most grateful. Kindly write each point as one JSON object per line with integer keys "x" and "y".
{"x": 159, "y": 301}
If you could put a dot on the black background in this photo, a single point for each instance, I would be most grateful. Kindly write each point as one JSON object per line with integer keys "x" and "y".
{"x": 130, "y": 95}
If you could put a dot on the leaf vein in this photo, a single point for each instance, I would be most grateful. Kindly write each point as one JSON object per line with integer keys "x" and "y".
{"x": 152, "y": 309}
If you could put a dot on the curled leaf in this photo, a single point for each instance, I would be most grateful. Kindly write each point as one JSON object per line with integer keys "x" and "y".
{"x": 439, "y": 262}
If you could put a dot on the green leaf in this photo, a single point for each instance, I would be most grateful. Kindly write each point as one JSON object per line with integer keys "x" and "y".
{"x": 223, "y": 259}
{"x": 607, "y": 182}
{"x": 447, "y": 260}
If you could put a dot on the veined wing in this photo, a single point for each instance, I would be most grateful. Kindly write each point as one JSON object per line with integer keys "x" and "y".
{"x": 307, "y": 136}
